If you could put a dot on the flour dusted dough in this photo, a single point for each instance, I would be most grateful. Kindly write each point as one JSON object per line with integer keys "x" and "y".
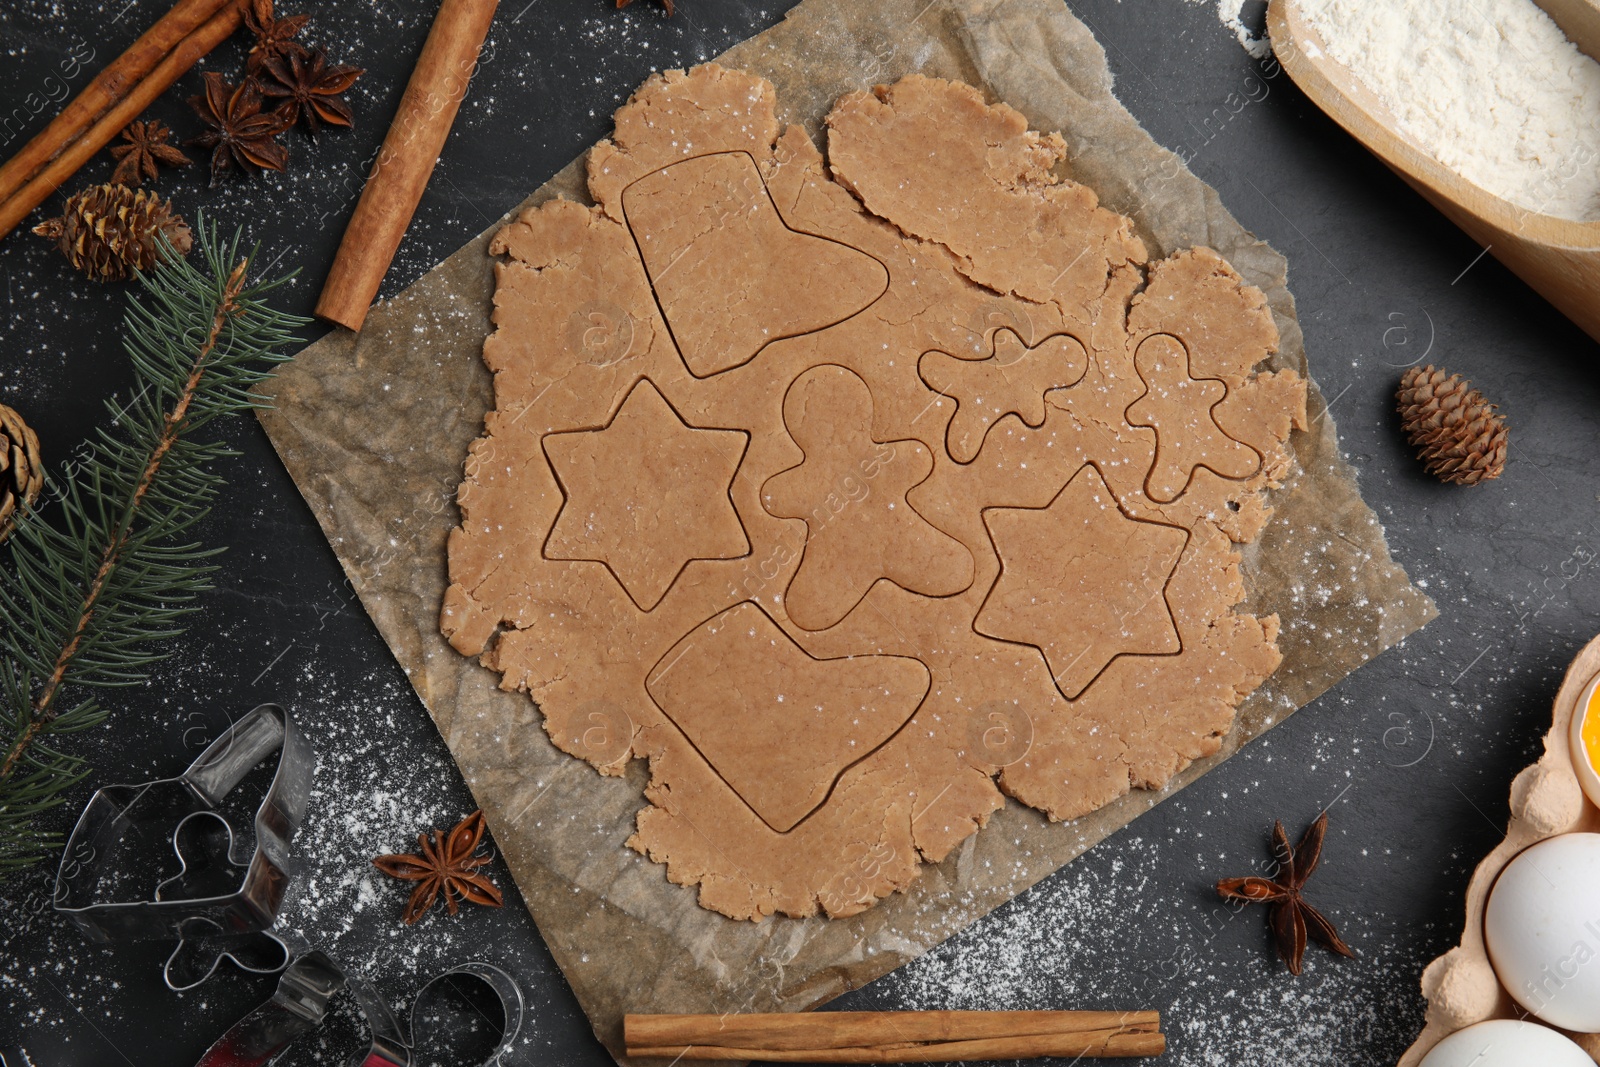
{"x": 857, "y": 494}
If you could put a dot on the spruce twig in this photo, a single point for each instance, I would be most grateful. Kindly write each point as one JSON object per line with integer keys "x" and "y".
{"x": 93, "y": 589}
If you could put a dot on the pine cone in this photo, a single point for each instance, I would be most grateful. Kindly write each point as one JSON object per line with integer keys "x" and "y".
{"x": 21, "y": 472}
{"x": 109, "y": 231}
{"x": 1458, "y": 435}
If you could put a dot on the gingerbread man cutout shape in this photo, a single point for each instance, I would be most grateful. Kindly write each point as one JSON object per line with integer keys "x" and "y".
{"x": 1012, "y": 381}
{"x": 851, "y": 492}
{"x": 1178, "y": 408}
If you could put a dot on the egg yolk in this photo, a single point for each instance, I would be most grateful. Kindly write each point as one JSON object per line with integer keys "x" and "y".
{"x": 1591, "y": 729}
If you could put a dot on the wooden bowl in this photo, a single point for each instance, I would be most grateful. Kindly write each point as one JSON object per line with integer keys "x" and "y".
{"x": 1558, "y": 257}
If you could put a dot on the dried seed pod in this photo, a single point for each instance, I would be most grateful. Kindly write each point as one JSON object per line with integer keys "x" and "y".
{"x": 1459, "y": 436}
{"x": 21, "y": 472}
{"x": 109, "y": 231}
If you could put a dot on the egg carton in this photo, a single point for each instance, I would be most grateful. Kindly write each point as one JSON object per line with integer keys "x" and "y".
{"x": 1546, "y": 799}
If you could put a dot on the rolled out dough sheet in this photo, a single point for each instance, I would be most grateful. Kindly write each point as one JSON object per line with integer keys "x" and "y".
{"x": 865, "y": 491}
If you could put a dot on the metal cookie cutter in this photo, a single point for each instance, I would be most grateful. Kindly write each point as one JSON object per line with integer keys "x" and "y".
{"x": 296, "y": 1008}
{"x": 393, "y": 1046}
{"x": 196, "y": 958}
{"x": 227, "y": 884}
{"x": 301, "y": 1002}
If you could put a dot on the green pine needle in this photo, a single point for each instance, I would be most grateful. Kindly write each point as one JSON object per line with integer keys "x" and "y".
{"x": 93, "y": 589}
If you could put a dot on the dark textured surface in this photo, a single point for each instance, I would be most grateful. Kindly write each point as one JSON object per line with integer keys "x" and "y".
{"x": 1414, "y": 752}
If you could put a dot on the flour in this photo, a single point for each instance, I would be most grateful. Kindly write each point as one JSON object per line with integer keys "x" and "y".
{"x": 1491, "y": 88}
{"x": 1201, "y": 963}
{"x": 1231, "y": 14}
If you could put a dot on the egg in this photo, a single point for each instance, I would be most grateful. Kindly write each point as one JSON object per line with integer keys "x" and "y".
{"x": 1542, "y": 929}
{"x": 1506, "y": 1043}
{"x": 1583, "y": 739}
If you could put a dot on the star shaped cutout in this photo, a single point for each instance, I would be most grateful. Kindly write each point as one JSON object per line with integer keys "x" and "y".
{"x": 646, "y": 494}
{"x": 1082, "y": 581}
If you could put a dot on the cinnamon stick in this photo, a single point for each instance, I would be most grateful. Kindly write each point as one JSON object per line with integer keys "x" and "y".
{"x": 156, "y": 81}
{"x": 406, "y": 160}
{"x": 895, "y": 1037}
{"x": 107, "y": 88}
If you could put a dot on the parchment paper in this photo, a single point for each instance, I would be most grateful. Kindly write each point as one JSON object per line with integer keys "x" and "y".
{"x": 374, "y": 430}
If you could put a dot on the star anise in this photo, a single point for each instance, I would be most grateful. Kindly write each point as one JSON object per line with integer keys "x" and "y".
{"x": 147, "y": 145}
{"x": 241, "y": 133}
{"x": 666, "y": 4}
{"x": 275, "y": 37}
{"x": 447, "y": 865}
{"x": 1292, "y": 918}
{"x": 310, "y": 89}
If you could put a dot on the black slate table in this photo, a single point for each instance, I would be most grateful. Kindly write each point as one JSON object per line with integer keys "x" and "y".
{"x": 1412, "y": 754}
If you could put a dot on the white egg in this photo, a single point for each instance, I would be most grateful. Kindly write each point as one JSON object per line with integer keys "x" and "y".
{"x": 1506, "y": 1043}
{"x": 1542, "y": 928}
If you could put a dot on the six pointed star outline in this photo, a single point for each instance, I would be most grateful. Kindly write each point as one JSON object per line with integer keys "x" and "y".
{"x": 1065, "y": 586}
{"x": 646, "y": 495}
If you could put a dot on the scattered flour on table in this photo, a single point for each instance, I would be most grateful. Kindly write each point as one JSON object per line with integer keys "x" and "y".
{"x": 1123, "y": 930}
{"x": 1231, "y": 14}
{"x": 1249, "y": 28}
{"x": 1492, "y": 89}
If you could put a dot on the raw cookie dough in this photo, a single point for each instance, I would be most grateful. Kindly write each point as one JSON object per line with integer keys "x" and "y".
{"x": 859, "y": 493}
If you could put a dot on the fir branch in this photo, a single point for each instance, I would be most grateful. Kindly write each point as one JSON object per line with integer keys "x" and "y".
{"x": 90, "y": 596}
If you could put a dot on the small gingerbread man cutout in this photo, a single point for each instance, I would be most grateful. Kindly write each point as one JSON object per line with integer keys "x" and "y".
{"x": 1012, "y": 381}
{"x": 1178, "y": 408}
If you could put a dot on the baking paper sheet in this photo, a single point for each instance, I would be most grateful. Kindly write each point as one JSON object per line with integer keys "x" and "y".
{"x": 374, "y": 428}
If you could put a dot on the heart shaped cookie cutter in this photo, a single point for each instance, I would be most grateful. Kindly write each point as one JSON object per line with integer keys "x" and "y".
{"x": 98, "y": 883}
